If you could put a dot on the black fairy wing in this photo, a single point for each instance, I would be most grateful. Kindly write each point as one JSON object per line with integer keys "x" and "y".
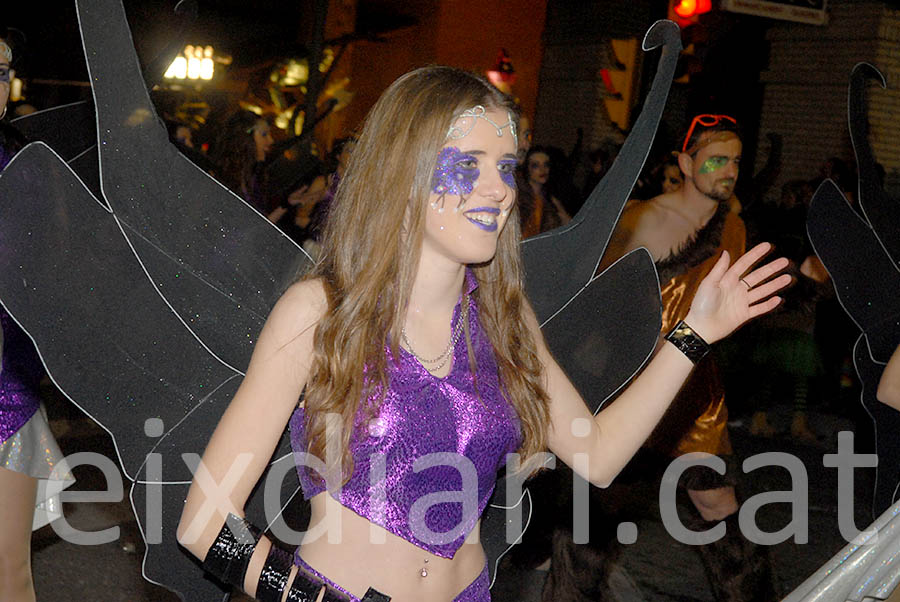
{"x": 561, "y": 262}
{"x": 880, "y": 210}
{"x": 588, "y": 341}
{"x": 601, "y": 329}
{"x": 865, "y": 281}
{"x": 885, "y": 421}
{"x": 183, "y": 251}
{"x": 69, "y": 130}
{"x": 108, "y": 340}
{"x": 859, "y": 251}
{"x": 219, "y": 264}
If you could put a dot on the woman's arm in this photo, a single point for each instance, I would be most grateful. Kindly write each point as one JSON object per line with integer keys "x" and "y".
{"x": 249, "y": 430}
{"x": 598, "y": 447}
{"x": 889, "y": 384}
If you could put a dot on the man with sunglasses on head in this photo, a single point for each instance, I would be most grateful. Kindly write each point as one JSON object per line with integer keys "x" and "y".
{"x": 686, "y": 232}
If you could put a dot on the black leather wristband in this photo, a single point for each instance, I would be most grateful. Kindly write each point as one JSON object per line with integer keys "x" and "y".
{"x": 373, "y": 595}
{"x": 304, "y": 589}
{"x": 230, "y": 554}
{"x": 688, "y": 342}
{"x": 274, "y": 575}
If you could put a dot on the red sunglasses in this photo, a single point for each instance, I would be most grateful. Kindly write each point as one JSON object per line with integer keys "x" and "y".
{"x": 706, "y": 121}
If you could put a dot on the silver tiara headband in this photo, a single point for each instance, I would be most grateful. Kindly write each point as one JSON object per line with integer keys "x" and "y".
{"x": 470, "y": 116}
{"x": 6, "y": 51}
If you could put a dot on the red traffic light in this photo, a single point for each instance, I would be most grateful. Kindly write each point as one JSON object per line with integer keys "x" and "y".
{"x": 690, "y": 8}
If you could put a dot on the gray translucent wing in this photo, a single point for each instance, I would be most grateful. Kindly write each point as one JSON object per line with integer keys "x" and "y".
{"x": 208, "y": 260}
{"x": 559, "y": 263}
{"x": 69, "y": 276}
{"x": 588, "y": 338}
{"x": 70, "y": 129}
{"x": 87, "y": 167}
{"x": 219, "y": 264}
{"x": 107, "y": 338}
{"x": 159, "y": 506}
{"x": 184, "y": 576}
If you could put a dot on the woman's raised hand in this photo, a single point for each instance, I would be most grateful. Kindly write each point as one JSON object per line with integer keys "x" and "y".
{"x": 730, "y": 296}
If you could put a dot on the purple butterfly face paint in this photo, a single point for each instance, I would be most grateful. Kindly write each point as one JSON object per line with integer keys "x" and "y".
{"x": 507, "y": 169}
{"x": 455, "y": 173}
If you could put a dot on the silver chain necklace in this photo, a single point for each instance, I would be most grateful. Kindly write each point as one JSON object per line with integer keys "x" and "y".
{"x": 445, "y": 356}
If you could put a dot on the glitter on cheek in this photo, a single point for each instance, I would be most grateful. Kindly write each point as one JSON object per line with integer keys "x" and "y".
{"x": 713, "y": 164}
{"x": 451, "y": 176}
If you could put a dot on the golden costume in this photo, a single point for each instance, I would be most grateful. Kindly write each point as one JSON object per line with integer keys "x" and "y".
{"x": 696, "y": 420}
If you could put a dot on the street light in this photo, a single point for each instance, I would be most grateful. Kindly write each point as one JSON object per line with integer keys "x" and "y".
{"x": 196, "y": 62}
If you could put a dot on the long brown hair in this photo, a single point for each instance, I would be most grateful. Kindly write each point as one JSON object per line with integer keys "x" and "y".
{"x": 370, "y": 256}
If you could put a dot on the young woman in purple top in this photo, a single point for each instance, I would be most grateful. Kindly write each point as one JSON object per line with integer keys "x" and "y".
{"x": 419, "y": 357}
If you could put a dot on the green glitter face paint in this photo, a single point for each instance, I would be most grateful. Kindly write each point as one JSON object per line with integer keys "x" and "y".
{"x": 713, "y": 163}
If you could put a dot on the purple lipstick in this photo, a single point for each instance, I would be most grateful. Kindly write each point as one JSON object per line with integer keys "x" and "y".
{"x": 483, "y": 217}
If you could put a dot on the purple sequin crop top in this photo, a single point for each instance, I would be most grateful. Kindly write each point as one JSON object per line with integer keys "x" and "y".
{"x": 425, "y": 466}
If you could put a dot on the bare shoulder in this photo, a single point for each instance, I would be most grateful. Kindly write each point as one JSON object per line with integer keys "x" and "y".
{"x": 297, "y": 312}
{"x": 630, "y": 231}
{"x": 644, "y": 219}
{"x": 640, "y": 215}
